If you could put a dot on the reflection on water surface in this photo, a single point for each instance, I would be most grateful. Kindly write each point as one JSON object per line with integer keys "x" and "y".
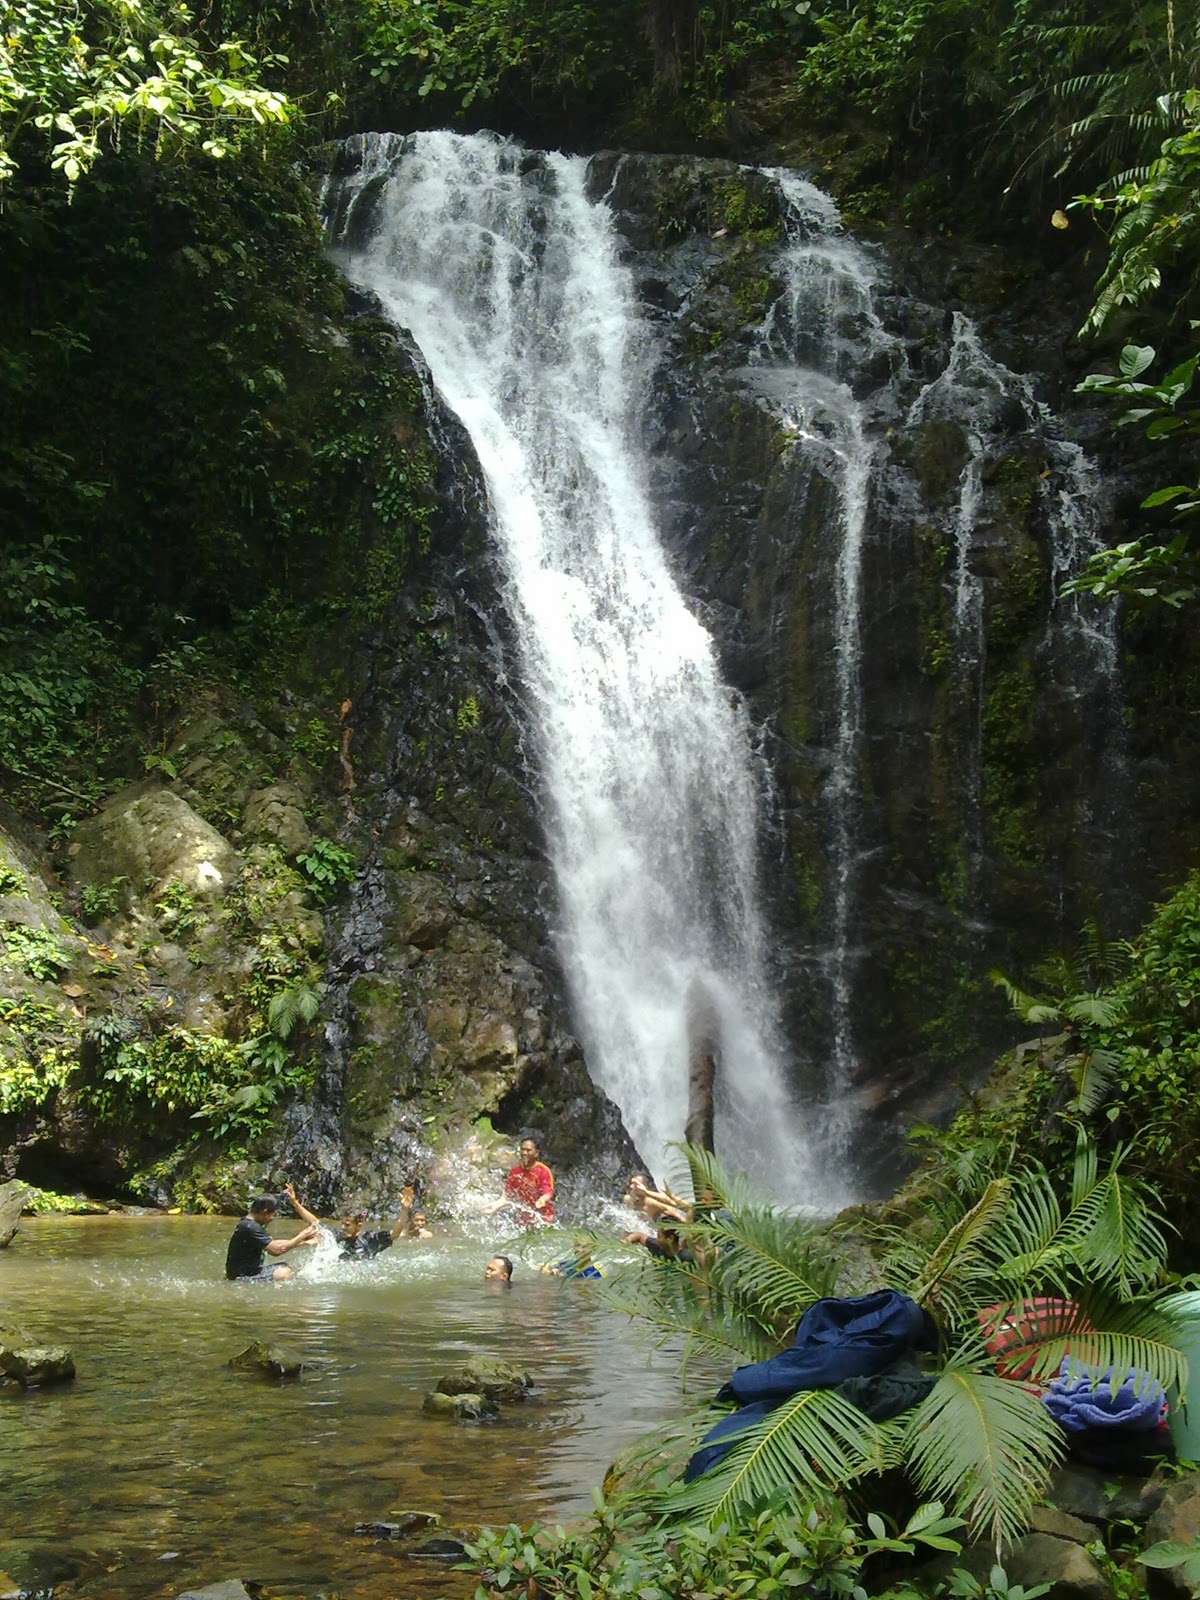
{"x": 160, "y": 1468}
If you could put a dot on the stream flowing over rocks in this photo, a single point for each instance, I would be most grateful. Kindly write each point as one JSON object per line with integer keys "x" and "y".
{"x": 733, "y": 692}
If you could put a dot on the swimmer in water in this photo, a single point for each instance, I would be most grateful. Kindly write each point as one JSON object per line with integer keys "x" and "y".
{"x": 250, "y": 1242}
{"x": 355, "y": 1241}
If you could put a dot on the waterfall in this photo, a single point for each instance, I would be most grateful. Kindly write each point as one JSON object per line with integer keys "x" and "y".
{"x": 509, "y": 279}
{"x": 817, "y": 338}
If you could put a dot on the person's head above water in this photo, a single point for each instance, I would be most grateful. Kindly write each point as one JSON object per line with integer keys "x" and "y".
{"x": 263, "y": 1208}
{"x": 529, "y": 1150}
{"x": 352, "y": 1223}
{"x": 499, "y": 1269}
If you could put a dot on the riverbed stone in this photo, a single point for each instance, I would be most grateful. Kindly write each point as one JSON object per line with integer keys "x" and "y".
{"x": 1072, "y": 1572}
{"x": 1105, "y": 1497}
{"x": 1061, "y": 1525}
{"x": 399, "y": 1526}
{"x": 273, "y": 1360}
{"x": 463, "y": 1407}
{"x": 36, "y": 1366}
{"x": 485, "y": 1375}
{"x": 231, "y": 1589}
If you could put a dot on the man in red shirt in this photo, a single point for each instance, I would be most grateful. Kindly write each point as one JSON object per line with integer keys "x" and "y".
{"x": 529, "y": 1188}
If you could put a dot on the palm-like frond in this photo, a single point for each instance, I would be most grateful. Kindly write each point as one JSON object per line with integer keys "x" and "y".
{"x": 813, "y": 1440}
{"x": 984, "y": 1446}
{"x": 1093, "y": 1073}
{"x": 960, "y": 1247}
{"x": 779, "y": 1262}
{"x": 675, "y": 1298}
{"x": 1104, "y": 1332}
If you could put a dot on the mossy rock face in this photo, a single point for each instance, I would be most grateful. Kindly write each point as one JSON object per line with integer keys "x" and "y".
{"x": 483, "y": 1375}
{"x": 148, "y": 837}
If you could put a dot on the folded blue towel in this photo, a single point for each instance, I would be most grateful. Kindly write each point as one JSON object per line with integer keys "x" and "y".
{"x": 1086, "y": 1399}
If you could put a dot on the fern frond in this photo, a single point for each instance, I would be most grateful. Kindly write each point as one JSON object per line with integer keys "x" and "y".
{"x": 812, "y": 1440}
{"x": 986, "y": 1447}
{"x": 961, "y": 1243}
{"x": 1093, "y": 1073}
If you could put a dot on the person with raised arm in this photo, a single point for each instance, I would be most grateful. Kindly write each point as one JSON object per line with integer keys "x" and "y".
{"x": 355, "y": 1241}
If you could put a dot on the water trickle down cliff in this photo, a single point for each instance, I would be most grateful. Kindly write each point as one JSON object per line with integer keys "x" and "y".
{"x": 507, "y": 274}
{"x": 882, "y": 516}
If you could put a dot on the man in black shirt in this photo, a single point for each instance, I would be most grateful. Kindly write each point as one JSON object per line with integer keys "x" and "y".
{"x": 250, "y": 1241}
{"x": 355, "y": 1242}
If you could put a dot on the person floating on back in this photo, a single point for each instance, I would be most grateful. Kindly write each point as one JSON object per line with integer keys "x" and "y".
{"x": 250, "y": 1242}
{"x": 356, "y": 1242}
{"x": 529, "y": 1189}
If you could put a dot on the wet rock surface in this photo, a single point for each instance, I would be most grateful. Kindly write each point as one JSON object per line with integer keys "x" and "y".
{"x": 462, "y": 1407}
{"x": 271, "y": 1360}
{"x": 496, "y": 1379}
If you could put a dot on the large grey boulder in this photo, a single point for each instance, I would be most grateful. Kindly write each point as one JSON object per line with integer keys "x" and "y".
{"x": 151, "y": 838}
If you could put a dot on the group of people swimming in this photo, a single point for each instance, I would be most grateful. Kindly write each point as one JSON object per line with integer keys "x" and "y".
{"x": 253, "y": 1253}
{"x": 528, "y": 1195}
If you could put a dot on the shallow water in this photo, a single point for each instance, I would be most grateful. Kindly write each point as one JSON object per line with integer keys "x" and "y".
{"x": 160, "y": 1468}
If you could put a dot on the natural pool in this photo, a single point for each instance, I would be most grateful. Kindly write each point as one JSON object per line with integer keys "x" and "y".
{"x": 161, "y": 1468}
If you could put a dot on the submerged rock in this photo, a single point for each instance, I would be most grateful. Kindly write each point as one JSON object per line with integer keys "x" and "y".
{"x": 35, "y": 1366}
{"x": 231, "y": 1589}
{"x": 461, "y": 1407}
{"x": 482, "y": 1375}
{"x": 404, "y": 1524}
{"x": 273, "y": 1360}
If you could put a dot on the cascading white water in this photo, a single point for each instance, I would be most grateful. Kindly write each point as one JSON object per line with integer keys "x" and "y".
{"x": 507, "y": 276}
{"x": 816, "y": 338}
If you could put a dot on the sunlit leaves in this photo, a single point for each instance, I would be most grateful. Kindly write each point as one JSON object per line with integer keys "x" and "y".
{"x": 90, "y": 75}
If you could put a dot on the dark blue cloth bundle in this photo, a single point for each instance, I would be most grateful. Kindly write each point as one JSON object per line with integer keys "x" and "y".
{"x": 848, "y": 1338}
{"x": 856, "y": 1336}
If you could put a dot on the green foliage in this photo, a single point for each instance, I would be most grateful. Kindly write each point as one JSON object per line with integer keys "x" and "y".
{"x": 100, "y": 900}
{"x": 781, "y": 1548}
{"x": 326, "y": 865}
{"x": 87, "y": 75}
{"x": 1143, "y": 569}
{"x": 34, "y": 951}
{"x": 979, "y": 1443}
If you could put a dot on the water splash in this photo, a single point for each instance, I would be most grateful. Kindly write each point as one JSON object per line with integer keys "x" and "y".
{"x": 509, "y": 279}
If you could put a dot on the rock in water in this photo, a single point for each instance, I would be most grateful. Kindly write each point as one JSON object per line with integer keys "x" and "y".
{"x": 35, "y": 1366}
{"x": 495, "y": 1379}
{"x": 273, "y": 1360}
{"x": 13, "y": 1196}
{"x": 462, "y": 1407}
